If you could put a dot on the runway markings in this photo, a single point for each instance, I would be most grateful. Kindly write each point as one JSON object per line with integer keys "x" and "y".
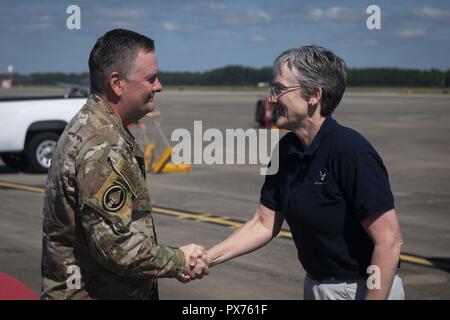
{"x": 214, "y": 219}
{"x": 416, "y": 260}
{"x": 13, "y": 185}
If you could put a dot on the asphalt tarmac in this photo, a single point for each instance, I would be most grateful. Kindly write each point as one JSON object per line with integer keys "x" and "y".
{"x": 204, "y": 206}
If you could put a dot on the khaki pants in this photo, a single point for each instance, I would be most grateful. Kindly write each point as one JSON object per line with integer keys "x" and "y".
{"x": 345, "y": 290}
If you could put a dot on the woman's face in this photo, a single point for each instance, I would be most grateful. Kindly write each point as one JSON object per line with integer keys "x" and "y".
{"x": 289, "y": 105}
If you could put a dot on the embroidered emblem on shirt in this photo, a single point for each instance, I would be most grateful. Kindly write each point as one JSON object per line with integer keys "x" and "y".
{"x": 322, "y": 179}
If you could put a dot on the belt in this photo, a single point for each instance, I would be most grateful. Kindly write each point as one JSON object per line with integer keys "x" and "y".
{"x": 343, "y": 279}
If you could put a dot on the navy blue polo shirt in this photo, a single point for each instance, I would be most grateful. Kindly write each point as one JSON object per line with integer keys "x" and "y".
{"x": 324, "y": 192}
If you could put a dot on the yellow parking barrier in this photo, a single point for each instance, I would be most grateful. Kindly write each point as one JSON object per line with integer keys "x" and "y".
{"x": 149, "y": 155}
{"x": 163, "y": 164}
{"x": 162, "y": 161}
{"x": 173, "y": 167}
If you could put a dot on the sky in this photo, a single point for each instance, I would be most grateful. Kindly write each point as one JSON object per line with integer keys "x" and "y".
{"x": 203, "y": 35}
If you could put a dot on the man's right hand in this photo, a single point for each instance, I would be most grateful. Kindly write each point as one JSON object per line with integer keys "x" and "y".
{"x": 196, "y": 263}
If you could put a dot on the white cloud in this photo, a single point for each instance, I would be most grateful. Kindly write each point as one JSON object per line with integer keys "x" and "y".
{"x": 123, "y": 14}
{"x": 187, "y": 7}
{"x": 125, "y": 24}
{"x": 187, "y": 28}
{"x": 170, "y": 26}
{"x": 231, "y": 19}
{"x": 315, "y": 14}
{"x": 433, "y": 13}
{"x": 260, "y": 15}
{"x": 258, "y": 39}
{"x": 334, "y": 13}
{"x": 40, "y": 23}
{"x": 251, "y": 17}
{"x": 412, "y": 33}
{"x": 371, "y": 43}
{"x": 217, "y": 6}
{"x": 219, "y": 33}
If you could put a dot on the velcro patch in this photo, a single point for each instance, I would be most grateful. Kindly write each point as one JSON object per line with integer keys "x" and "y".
{"x": 114, "y": 198}
{"x": 124, "y": 171}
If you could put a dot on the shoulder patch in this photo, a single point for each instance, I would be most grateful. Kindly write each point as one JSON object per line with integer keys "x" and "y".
{"x": 114, "y": 198}
{"x": 123, "y": 171}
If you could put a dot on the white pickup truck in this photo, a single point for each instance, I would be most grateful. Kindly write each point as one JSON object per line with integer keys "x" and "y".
{"x": 30, "y": 129}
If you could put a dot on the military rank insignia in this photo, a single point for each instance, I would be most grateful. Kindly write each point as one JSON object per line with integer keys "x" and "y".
{"x": 114, "y": 198}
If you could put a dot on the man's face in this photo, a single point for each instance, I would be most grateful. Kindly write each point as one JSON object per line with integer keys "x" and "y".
{"x": 290, "y": 107}
{"x": 140, "y": 87}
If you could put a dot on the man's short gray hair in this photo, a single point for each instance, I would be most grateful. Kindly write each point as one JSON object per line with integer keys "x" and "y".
{"x": 316, "y": 67}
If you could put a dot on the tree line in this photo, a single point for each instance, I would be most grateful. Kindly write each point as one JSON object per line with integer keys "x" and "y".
{"x": 235, "y": 75}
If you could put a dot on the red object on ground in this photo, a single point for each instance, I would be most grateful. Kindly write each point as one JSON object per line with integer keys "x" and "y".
{"x": 13, "y": 289}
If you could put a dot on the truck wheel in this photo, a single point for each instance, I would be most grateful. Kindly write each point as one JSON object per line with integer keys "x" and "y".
{"x": 40, "y": 150}
{"x": 15, "y": 161}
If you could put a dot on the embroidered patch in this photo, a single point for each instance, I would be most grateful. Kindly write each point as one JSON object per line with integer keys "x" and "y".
{"x": 322, "y": 178}
{"x": 114, "y": 198}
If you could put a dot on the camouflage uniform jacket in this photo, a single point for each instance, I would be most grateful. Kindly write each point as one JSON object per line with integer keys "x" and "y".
{"x": 97, "y": 221}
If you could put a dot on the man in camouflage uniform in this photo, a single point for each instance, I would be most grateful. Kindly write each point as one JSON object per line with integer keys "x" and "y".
{"x": 99, "y": 239}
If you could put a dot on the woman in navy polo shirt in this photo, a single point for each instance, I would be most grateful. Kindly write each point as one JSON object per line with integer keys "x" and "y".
{"x": 331, "y": 187}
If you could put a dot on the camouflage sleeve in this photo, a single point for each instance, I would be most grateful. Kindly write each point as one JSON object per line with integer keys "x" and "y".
{"x": 119, "y": 233}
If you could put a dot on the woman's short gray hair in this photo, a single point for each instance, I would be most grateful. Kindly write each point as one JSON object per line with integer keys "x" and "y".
{"x": 316, "y": 67}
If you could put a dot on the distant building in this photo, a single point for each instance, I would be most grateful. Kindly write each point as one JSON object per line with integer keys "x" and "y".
{"x": 263, "y": 85}
{"x": 6, "y": 83}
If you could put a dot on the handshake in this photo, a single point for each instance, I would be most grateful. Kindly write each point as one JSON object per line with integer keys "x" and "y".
{"x": 196, "y": 263}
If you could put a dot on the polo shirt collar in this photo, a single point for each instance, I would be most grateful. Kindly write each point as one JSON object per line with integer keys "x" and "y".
{"x": 297, "y": 148}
